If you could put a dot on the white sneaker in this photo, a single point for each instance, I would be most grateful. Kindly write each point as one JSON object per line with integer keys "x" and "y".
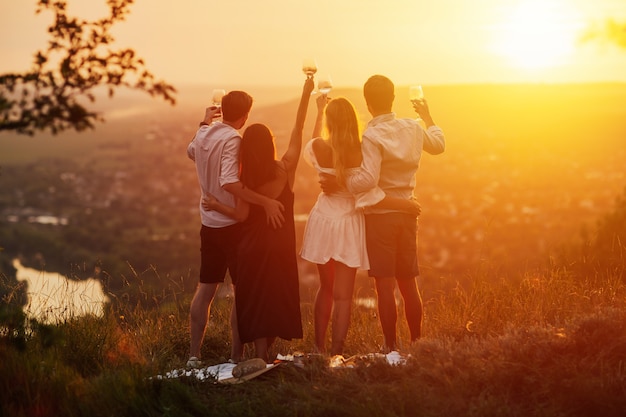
{"x": 194, "y": 362}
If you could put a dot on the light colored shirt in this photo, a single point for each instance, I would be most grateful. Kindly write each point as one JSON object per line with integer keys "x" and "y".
{"x": 392, "y": 149}
{"x": 361, "y": 200}
{"x": 215, "y": 150}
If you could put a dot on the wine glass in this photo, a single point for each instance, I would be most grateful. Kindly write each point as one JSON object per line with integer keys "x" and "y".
{"x": 416, "y": 93}
{"x": 217, "y": 96}
{"x": 218, "y": 93}
{"x": 309, "y": 67}
{"x": 325, "y": 84}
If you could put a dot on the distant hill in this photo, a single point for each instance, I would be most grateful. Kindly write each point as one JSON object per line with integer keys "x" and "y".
{"x": 518, "y": 112}
{"x": 527, "y": 167}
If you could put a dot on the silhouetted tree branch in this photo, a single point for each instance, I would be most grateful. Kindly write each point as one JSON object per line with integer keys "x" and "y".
{"x": 78, "y": 59}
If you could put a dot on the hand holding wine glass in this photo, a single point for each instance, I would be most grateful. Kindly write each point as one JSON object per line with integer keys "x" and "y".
{"x": 324, "y": 85}
{"x": 309, "y": 86}
{"x": 309, "y": 67}
{"x": 217, "y": 96}
{"x": 218, "y": 93}
{"x": 416, "y": 95}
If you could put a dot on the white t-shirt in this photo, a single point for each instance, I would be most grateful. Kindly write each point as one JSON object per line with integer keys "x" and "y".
{"x": 215, "y": 150}
{"x": 392, "y": 149}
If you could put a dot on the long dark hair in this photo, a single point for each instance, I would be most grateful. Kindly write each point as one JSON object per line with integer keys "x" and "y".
{"x": 257, "y": 156}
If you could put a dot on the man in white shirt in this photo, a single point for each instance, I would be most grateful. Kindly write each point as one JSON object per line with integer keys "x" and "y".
{"x": 392, "y": 149}
{"x": 215, "y": 151}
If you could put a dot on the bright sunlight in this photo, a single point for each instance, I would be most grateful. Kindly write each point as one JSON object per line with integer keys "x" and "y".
{"x": 538, "y": 34}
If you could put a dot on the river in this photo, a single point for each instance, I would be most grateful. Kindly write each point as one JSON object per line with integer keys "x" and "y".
{"x": 53, "y": 298}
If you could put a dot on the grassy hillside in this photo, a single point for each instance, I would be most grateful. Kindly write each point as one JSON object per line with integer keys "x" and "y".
{"x": 553, "y": 344}
{"x": 523, "y": 317}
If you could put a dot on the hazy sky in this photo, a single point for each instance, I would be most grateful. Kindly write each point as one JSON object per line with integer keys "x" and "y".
{"x": 249, "y": 42}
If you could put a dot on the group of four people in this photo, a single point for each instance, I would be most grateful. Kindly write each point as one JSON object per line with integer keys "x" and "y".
{"x": 364, "y": 218}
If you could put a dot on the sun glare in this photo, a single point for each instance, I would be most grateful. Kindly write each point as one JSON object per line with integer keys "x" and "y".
{"x": 537, "y": 34}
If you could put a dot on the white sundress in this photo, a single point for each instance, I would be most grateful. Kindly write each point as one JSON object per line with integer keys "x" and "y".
{"x": 335, "y": 228}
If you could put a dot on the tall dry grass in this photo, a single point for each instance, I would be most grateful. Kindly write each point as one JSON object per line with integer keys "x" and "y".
{"x": 545, "y": 344}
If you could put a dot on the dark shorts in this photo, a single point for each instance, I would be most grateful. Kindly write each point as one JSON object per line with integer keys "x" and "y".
{"x": 218, "y": 253}
{"x": 392, "y": 245}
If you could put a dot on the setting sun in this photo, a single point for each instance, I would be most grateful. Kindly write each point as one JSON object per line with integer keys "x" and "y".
{"x": 537, "y": 34}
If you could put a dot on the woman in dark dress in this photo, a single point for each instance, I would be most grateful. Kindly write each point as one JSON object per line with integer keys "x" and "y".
{"x": 267, "y": 293}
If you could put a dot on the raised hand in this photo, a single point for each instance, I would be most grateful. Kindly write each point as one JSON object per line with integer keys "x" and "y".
{"x": 309, "y": 85}
{"x": 322, "y": 100}
{"x": 211, "y": 113}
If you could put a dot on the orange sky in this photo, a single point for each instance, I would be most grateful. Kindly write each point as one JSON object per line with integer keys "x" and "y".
{"x": 249, "y": 42}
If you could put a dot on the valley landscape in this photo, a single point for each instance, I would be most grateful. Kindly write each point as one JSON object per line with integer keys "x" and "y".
{"x": 521, "y": 261}
{"x": 528, "y": 170}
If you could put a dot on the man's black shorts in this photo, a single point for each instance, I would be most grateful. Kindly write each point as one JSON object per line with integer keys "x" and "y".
{"x": 218, "y": 252}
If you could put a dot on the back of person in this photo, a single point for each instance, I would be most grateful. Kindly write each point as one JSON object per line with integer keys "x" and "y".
{"x": 401, "y": 142}
{"x": 268, "y": 302}
{"x": 267, "y": 294}
{"x": 207, "y": 152}
{"x": 392, "y": 150}
{"x": 323, "y": 164}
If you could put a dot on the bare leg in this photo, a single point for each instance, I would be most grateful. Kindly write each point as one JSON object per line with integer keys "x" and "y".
{"x": 323, "y": 303}
{"x": 413, "y": 308}
{"x": 199, "y": 315}
{"x": 261, "y": 347}
{"x": 237, "y": 348}
{"x": 270, "y": 342}
{"x": 387, "y": 310}
{"x": 342, "y": 305}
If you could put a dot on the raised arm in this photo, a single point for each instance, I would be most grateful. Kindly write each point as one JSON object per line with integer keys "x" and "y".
{"x": 292, "y": 154}
{"x": 422, "y": 109}
{"x": 434, "y": 139}
{"x": 322, "y": 101}
{"x": 210, "y": 113}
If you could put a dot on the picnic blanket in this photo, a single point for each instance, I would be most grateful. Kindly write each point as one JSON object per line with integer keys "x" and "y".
{"x": 222, "y": 373}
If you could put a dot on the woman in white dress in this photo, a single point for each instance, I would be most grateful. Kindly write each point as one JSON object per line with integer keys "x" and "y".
{"x": 334, "y": 237}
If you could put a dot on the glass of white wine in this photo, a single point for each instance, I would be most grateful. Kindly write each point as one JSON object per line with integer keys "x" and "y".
{"x": 416, "y": 93}
{"x": 217, "y": 96}
{"x": 309, "y": 67}
{"x": 325, "y": 84}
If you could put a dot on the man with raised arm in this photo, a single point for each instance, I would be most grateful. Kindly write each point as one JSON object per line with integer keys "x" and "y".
{"x": 215, "y": 151}
{"x": 392, "y": 149}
